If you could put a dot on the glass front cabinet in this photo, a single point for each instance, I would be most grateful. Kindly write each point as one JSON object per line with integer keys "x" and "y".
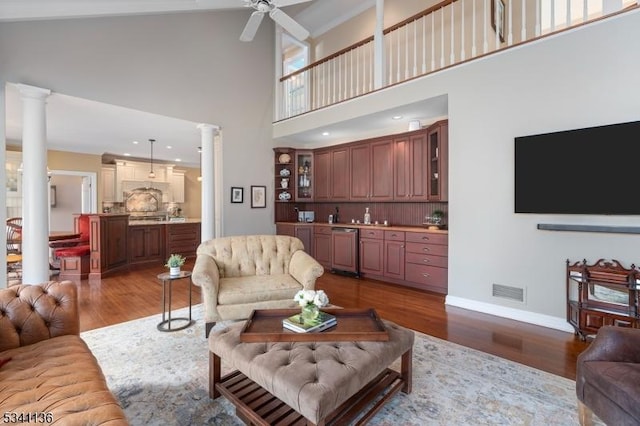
{"x": 304, "y": 176}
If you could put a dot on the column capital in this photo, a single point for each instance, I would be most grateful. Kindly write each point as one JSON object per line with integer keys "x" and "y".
{"x": 33, "y": 92}
{"x": 206, "y": 126}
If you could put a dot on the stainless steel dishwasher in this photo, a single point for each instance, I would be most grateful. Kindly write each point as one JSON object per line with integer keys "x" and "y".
{"x": 344, "y": 251}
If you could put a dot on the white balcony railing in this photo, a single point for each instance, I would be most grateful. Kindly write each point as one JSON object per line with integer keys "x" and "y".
{"x": 447, "y": 34}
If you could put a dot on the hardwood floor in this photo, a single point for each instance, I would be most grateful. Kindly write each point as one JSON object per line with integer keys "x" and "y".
{"x": 138, "y": 294}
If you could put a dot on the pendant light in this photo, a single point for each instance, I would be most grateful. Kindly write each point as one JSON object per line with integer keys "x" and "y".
{"x": 152, "y": 175}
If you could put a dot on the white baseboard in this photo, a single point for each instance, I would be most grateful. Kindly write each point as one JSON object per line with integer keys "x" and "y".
{"x": 511, "y": 313}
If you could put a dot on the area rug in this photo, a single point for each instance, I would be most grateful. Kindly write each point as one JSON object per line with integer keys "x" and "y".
{"x": 161, "y": 379}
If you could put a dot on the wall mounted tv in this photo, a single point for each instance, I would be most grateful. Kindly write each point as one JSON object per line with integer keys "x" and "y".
{"x": 585, "y": 171}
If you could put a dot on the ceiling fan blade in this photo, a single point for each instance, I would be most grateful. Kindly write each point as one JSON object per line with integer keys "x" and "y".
{"x": 286, "y": 22}
{"x": 282, "y": 3}
{"x": 251, "y": 28}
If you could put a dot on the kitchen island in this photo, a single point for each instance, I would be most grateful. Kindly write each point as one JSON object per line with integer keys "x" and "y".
{"x": 118, "y": 243}
{"x": 152, "y": 241}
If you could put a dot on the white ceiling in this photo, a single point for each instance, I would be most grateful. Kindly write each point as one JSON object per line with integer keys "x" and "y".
{"x": 81, "y": 125}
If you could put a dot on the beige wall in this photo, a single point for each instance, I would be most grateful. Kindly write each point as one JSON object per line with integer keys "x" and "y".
{"x": 75, "y": 162}
{"x": 185, "y": 65}
{"x": 71, "y": 161}
{"x": 192, "y": 194}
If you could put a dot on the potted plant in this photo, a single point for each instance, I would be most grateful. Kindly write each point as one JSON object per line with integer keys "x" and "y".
{"x": 437, "y": 217}
{"x": 174, "y": 263}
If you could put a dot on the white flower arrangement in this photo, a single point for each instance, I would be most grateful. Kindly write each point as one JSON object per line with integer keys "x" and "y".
{"x": 311, "y": 297}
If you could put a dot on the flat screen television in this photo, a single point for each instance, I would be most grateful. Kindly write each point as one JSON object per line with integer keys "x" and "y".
{"x": 585, "y": 171}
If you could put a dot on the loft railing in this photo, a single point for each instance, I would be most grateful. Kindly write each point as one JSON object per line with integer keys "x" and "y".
{"x": 447, "y": 34}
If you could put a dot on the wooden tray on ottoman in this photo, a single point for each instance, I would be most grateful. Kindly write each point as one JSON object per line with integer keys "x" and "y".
{"x": 265, "y": 325}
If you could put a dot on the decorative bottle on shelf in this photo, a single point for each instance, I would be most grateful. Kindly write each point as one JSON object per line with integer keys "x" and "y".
{"x": 367, "y": 216}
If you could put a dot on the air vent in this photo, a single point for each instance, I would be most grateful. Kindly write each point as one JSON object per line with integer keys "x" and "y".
{"x": 508, "y": 292}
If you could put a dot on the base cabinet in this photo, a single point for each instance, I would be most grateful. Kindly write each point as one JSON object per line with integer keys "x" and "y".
{"x": 182, "y": 238}
{"x": 304, "y": 232}
{"x": 394, "y": 255}
{"x": 372, "y": 252}
{"x": 426, "y": 263}
{"x": 322, "y": 245}
{"x": 146, "y": 244}
{"x": 109, "y": 244}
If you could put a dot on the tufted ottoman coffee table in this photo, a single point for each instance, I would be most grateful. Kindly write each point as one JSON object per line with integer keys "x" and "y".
{"x": 317, "y": 383}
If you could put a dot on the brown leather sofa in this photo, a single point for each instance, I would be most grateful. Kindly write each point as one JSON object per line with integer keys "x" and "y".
{"x": 608, "y": 377}
{"x": 47, "y": 372}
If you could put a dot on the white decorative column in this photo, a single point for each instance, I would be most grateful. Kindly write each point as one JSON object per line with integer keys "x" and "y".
{"x": 379, "y": 74}
{"x": 35, "y": 188}
{"x": 3, "y": 184}
{"x": 219, "y": 190}
{"x": 207, "y": 133}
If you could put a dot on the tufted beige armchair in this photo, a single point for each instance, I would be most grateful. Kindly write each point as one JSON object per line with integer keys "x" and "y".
{"x": 243, "y": 273}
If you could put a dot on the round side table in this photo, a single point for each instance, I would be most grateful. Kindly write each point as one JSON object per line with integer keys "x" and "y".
{"x": 167, "y": 280}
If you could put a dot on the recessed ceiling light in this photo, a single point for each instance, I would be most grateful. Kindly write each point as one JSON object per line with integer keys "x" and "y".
{"x": 169, "y": 147}
{"x": 397, "y": 117}
{"x": 135, "y": 142}
{"x": 178, "y": 160}
{"x": 325, "y": 133}
{"x": 126, "y": 154}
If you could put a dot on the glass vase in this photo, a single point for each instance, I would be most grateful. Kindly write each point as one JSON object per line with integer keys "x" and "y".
{"x": 309, "y": 313}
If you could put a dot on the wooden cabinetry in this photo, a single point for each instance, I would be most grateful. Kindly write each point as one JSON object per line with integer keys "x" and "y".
{"x": 108, "y": 183}
{"x": 360, "y": 169}
{"x": 604, "y": 293}
{"x": 339, "y": 177}
{"x": 438, "y": 138}
{"x": 321, "y": 174}
{"x": 322, "y": 245}
{"x": 411, "y": 168}
{"x": 304, "y": 232}
{"x": 332, "y": 175}
{"x": 371, "y": 171}
{"x": 146, "y": 244}
{"x": 182, "y": 238}
{"x": 177, "y": 186}
{"x": 426, "y": 262}
{"x": 394, "y": 248}
{"x": 303, "y": 180}
{"x": 109, "y": 244}
{"x": 372, "y": 252}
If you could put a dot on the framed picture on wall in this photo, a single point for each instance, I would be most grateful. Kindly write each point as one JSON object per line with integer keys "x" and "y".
{"x": 237, "y": 194}
{"x": 258, "y": 197}
{"x": 498, "y": 13}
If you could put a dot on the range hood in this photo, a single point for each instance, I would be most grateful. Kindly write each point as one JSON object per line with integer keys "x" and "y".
{"x": 130, "y": 185}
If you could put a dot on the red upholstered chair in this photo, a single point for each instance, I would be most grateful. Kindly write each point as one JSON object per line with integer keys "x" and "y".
{"x": 71, "y": 256}
{"x": 14, "y": 235}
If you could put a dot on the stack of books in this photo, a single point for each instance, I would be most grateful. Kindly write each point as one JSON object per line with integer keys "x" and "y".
{"x": 322, "y": 322}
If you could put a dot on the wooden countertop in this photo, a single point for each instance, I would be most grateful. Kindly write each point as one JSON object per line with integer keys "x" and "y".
{"x": 406, "y": 228}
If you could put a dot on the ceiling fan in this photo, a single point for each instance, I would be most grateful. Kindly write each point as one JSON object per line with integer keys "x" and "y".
{"x": 272, "y": 8}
